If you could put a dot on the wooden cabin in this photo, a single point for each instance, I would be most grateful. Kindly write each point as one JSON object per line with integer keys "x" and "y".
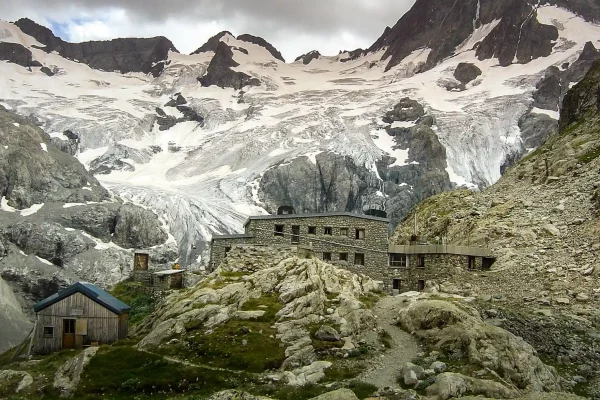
{"x": 78, "y": 316}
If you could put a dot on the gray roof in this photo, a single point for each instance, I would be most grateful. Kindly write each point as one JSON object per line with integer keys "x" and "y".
{"x": 317, "y": 215}
{"x": 89, "y": 290}
{"x": 169, "y": 272}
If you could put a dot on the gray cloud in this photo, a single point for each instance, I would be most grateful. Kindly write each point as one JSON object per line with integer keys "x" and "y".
{"x": 278, "y": 21}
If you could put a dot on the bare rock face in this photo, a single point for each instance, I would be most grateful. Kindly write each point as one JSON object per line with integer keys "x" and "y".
{"x": 219, "y": 71}
{"x": 308, "y": 57}
{"x": 124, "y": 55}
{"x": 466, "y": 72}
{"x": 68, "y": 375}
{"x": 136, "y": 227}
{"x": 449, "y": 385}
{"x": 462, "y": 333}
{"x": 33, "y": 172}
{"x": 17, "y": 54}
{"x": 263, "y": 43}
{"x": 212, "y": 43}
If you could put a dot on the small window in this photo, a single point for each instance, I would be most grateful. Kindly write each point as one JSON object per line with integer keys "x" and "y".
{"x": 398, "y": 260}
{"x": 326, "y": 256}
{"x": 48, "y": 331}
{"x": 312, "y": 230}
{"x": 359, "y": 259}
{"x": 360, "y": 234}
{"x": 227, "y": 249}
{"x": 421, "y": 284}
{"x": 343, "y": 231}
{"x": 421, "y": 262}
{"x": 396, "y": 284}
{"x": 343, "y": 256}
{"x": 279, "y": 230}
{"x": 328, "y": 231}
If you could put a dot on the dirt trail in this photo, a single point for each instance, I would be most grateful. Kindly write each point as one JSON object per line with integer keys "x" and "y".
{"x": 384, "y": 371}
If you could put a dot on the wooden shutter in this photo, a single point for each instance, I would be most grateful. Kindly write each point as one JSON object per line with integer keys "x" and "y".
{"x": 81, "y": 327}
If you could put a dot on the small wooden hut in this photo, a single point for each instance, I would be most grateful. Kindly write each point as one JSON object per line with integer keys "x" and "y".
{"x": 80, "y": 315}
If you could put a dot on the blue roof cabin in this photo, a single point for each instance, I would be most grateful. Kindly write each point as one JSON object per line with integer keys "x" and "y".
{"x": 78, "y": 316}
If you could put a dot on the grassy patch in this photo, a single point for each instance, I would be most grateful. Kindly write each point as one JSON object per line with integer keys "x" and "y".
{"x": 369, "y": 300}
{"x": 385, "y": 338}
{"x": 125, "y": 373}
{"x": 134, "y": 294}
{"x": 237, "y": 345}
{"x": 343, "y": 371}
{"x": 589, "y": 156}
{"x": 268, "y": 303}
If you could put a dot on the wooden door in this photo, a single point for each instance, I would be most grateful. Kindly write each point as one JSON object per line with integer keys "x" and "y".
{"x": 68, "y": 340}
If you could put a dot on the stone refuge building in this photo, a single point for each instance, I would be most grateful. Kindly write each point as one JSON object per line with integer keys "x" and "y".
{"x": 358, "y": 243}
{"x": 79, "y": 315}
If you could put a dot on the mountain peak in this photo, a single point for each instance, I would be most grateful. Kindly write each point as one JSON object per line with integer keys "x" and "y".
{"x": 308, "y": 57}
{"x": 212, "y": 43}
{"x": 263, "y": 43}
{"x": 125, "y": 55}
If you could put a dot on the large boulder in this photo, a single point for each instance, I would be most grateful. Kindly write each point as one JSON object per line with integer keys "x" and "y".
{"x": 466, "y": 72}
{"x": 340, "y": 394}
{"x": 449, "y": 385}
{"x": 461, "y": 332}
{"x": 327, "y": 334}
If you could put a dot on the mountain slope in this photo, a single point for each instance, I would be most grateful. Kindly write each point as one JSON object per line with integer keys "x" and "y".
{"x": 542, "y": 221}
{"x": 232, "y": 130}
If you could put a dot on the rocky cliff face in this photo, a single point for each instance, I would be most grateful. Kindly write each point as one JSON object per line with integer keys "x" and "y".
{"x": 538, "y": 219}
{"x": 59, "y": 225}
{"x": 219, "y": 71}
{"x": 443, "y": 26}
{"x": 123, "y": 55}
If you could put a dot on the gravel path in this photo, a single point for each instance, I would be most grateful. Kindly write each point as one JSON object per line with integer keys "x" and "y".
{"x": 385, "y": 369}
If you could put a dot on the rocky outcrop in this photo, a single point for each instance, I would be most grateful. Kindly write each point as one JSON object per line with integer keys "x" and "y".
{"x": 302, "y": 289}
{"x": 17, "y": 54}
{"x": 212, "y": 43}
{"x": 407, "y": 109}
{"x": 48, "y": 241}
{"x": 118, "y": 157}
{"x": 442, "y": 26}
{"x": 450, "y": 385}
{"x": 461, "y": 333}
{"x": 147, "y": 55}
{"x": 263, "y": 43}
{"x": 536, "y": 129}
{"x": 68, "y": 375}
{"x": 20, "y": 380}
{"x": 340, "y": 394}
{"x": 466, "y": 72}
{"x": 32, "y": 172}
{"x": 219, "y": 71}
{"x": 138, "y": 228}
{"x": 583, "y": 100}
{"x": 308, "y": 57}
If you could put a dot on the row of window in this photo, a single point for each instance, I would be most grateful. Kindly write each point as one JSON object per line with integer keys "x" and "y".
{"x": 359, "y": 233}
{"x": 399, "y": 261}
{"x": 359, "y": 258}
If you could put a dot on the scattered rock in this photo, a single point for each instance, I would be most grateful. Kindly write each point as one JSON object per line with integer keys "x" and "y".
{"x": 410, "y": 378}
{"x": 340, "y": 394}
{"x": 438, "y": 366}
{"x": 26, "y": 380}
{"x": 449, "y": 385}
{"x": 328, "y": 334}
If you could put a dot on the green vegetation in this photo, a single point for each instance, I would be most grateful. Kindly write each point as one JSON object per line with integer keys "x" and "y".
{"x": 385, "y": 338}
{"x": 369, "y": 300}
{"x": 125, "y": 373}
{"x": 140, "y": 300}
{"x": 249, "y": 345}
{"x": 589, "y": 156}
{"x": 231, "y": 274}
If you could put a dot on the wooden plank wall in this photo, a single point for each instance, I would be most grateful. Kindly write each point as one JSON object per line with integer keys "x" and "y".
{"x": 103, "y": 324}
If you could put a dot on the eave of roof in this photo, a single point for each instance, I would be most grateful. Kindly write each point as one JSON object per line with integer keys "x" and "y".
{"x": 317, "y": 215}
{"x": 89, "y": 290}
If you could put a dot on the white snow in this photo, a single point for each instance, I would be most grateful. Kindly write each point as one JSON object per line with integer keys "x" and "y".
{"x": 386, "y": 143}
{"x": 31, "y": 210}
{"x": 43, "y": 260}
{"x": 4, "y": 205}
{"x": 550, "y": 113}
{"x": 16, "y": 124}
{"x": 44, "y": 147}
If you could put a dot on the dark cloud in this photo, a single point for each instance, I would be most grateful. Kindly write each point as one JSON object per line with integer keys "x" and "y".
{"x": 361, "y": 21}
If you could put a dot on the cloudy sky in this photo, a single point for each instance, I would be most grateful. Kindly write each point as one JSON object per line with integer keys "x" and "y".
{"x": 293, "y": 26}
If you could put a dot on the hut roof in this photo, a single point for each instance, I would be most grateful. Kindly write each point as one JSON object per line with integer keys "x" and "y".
{"x": 89, "y": 290}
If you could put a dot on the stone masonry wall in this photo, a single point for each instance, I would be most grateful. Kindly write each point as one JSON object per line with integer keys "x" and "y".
{"x": 219, "y": 247}
{"x": 374, "y": 246}
{"x": 437, "y": 267}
